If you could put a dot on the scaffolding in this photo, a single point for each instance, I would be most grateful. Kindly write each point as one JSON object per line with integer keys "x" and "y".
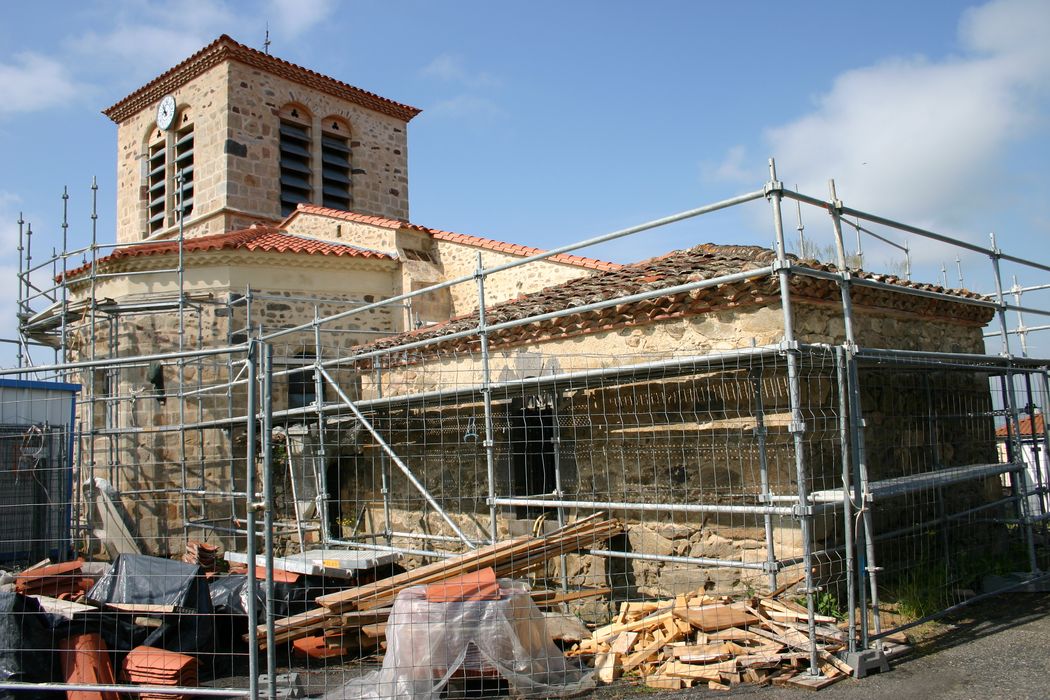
{"x": 822, "y": 456}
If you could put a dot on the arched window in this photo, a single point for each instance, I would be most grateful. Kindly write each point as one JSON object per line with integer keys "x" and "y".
{"x": 335, "y": 163}
{"x": 295, "y": 147}
{"x": 169, "y": 174}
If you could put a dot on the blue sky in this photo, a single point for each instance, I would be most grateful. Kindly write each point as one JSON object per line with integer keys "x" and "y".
{"x": 546, "y": 122}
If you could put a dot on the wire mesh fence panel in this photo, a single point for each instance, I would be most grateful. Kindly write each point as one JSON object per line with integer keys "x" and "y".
{"x": 950, "y": 508}
{"x": 700, "y": 469}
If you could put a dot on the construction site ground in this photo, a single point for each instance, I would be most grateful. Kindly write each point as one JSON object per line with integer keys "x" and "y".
{"x": 993, "y": 649}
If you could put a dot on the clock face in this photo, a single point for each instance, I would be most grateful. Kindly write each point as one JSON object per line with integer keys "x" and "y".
{"x": 166, "y": 112}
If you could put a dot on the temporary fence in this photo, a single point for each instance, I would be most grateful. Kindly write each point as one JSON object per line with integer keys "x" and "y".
{"x": 711, "y": 476}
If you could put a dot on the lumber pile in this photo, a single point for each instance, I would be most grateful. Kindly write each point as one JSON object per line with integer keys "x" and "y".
{"x": 699, "y": 639}
{"x": 354, "y": 619}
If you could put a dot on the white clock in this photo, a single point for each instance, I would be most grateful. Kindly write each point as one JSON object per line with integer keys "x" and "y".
{"x": 166, "y": 112}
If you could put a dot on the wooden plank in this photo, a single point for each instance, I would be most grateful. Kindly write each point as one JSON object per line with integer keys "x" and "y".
{"x": 649, "y": 650}
{"x": 607, "y": 666}
{"x": 623, "y": 643}
{"x": 664, "y": 682}
{"x": 786, "y": 585}
{"x": 712, "y": 618}
{"x": 677, "y": 669}
{"x": 808, "y": 682}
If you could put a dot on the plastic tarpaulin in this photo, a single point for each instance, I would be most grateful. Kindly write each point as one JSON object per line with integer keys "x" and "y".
{"x": 428, "y": 644}
{"x": 26, "y": 639}
{"x": 142, "y": 580}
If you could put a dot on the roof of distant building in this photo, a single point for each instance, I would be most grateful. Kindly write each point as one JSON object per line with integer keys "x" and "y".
{"x": 225, "y": 48}
{"x": 1024, "y": 424}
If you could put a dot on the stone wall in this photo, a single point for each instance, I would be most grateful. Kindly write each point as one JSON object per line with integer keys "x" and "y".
{"x": 137, "y": 408}
{"x": 457, "y": 260}
{"x": 378, "y": 143}
{"x": 677, "y": 440}
{"x": 206, "y": 102}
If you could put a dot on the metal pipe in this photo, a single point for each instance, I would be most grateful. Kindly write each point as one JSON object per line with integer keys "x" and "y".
{"x": 1017, "y": 479}
{"x": 395, "y": 459}
{"x": 268, "y": 505}
{"x": 896, "y": 288}
{"x": 20, "y": 309}
{"x": 486, "y": 393}
{"x": 320, "y": 463}
{"x": 250, "y": 505}
{"x": 130, "y": 689}
{"x": 687, "y": 363}
{"x": 699, "y": 561}
{"x": 661, "y": 507}
{"x": 763, "y": 470}
{"x": 132, "y": 360}
{"x": 912, "y": 229}
{"x": 847, "y": 510}
{"x": 774, "y": 193}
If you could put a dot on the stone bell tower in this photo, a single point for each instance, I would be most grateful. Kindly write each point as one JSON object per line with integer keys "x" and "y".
{"x": 233, "y": 136}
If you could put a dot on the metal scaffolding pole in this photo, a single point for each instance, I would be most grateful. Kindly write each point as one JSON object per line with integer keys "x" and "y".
{"x": 486, "y": 393}
{"x": 1017, "y": 478}
{"x": 763, "y": 467}
{"x": 774, "y": 191}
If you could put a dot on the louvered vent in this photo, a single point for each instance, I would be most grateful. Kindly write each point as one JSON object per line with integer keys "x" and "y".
{"x": 295, "y": 166}
{"x": 335, "y": 170}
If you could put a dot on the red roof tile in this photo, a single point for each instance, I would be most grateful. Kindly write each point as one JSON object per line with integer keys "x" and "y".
{"x": 1025, "y": 426}
{"x": 264, "y": 239}
{"x": 706, "y": 261}
{"x": 225, "y": 48}
{"x": 462, "y": 238}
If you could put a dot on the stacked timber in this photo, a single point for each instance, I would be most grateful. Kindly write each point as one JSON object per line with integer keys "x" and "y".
{"x": 355, "y": 619}
{"x": 718, "y": 642}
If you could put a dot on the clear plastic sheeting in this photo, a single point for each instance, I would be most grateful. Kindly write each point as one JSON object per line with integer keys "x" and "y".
{"x": 430, "y": 644}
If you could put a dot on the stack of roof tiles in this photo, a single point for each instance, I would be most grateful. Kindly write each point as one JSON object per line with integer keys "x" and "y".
{"x": 85, "y": 661}
{"x": 201, "y": 553}
{"x": 152, "y": 666}
{"x": 63, "y": 580}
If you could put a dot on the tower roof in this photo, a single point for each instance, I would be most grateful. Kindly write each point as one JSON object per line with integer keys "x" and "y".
{"x": 226, "y": 49}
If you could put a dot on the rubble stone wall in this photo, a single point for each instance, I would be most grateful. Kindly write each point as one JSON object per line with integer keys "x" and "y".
{"x": 683, "y": 440}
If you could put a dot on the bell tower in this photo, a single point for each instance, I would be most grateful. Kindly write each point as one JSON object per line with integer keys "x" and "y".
{"x": 233, "y": 136}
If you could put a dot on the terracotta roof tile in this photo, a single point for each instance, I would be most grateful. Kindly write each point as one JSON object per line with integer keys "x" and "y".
{"x": 265, "y": 239}
{"x": 1025, "y": 426}
{"x": 701, "y": 262}
{"x": 225, "y": 48}
{"x": 438, "y": 234}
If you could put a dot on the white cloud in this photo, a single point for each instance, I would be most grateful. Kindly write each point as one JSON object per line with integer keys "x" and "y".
{"x": 289, "y": 19}
{"x": 466, "y": 106}
{"x": 452, "y": 69}
{"x": 909, "y": 135}
{"x": 34, "y": 82}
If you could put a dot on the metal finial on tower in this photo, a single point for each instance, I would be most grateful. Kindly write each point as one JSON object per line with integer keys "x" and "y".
{"x": 266, "y": 41}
